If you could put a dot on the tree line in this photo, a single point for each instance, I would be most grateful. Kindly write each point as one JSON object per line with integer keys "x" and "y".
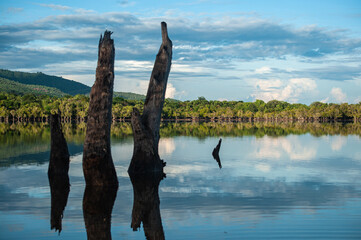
{"x": 29, "y": 107}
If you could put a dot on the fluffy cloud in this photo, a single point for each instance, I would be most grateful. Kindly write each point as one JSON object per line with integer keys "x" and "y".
{"x": 284, "y": 91}
{"x": 205, "y": 49}
{"x": 338, "y": 95}
{"x": 263, "y": 70}
{"x": 170, "y": 91}
{"x": 137, "y": 38}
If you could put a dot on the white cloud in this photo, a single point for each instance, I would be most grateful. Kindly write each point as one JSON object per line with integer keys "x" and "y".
{"x": 338, "y": 95}
{"x": 290, "y": 91}
{"x": 357, "y": 99}
{"x": 56, "y": 7}
{"x": 170, "y": 91}
{"x": 263, "y": 70}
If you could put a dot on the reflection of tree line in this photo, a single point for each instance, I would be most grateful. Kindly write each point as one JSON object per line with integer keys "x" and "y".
{"x": 15, "y": 134}
{"x": 21, "y": 138}
{"x": 75, "y": 108}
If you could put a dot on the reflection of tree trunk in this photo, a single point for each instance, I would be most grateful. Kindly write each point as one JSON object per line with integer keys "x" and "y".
{"x": 59, "y": 154}
{"x": 59, "y": 188}
{"x": 215, "y": 153}
{"x": 98, "y": 204}
{"x": 58, "y": 172}
{"x": 146, "y": 127}
{"x": 146, "y": 204}
{"x": 98, "y": 164}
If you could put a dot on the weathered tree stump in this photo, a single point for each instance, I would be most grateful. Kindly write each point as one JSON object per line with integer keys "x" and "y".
{"x": 98, "y": 202}
{"x": 98, "y": 166}
{"x": 146, "y": 205}
{"x": 146, "y": 127}
{"x": 58, "y": 173}
{"x": 215, "y": 153}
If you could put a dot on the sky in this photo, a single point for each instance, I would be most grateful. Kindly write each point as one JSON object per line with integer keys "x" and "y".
{"x": 294, "y": 51}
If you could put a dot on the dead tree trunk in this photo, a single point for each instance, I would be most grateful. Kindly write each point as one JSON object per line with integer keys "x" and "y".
{"x": 215, "y": 153}
{"x": 98, "y": 166}
{"x": 146, "y": 127}
{"x": 58, "y": 173}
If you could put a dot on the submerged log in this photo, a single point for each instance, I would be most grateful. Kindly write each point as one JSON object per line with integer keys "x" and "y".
{"x": 215, "y": 153}
{"x": 58, "y": 173}
{"x": 146, "y": 126}
{"x": 98, "y": 202}
{"x": 98, "y": 164}
{"x": 146, "y": 205}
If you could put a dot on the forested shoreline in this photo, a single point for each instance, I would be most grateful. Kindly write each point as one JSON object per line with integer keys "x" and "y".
{"x": 32, "y": 108}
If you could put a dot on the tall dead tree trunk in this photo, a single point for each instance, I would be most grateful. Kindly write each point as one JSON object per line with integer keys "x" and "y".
{"x": 58, "y": 173}
{"x": 146, "y": 127}
{"x": 98, "y": 166}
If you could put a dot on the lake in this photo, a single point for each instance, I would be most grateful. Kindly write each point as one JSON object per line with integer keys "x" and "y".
{"x": 276, "y": 181}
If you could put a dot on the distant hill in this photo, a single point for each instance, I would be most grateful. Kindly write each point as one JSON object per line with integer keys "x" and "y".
{"x": 21, "y": 89}
{"x": 64, "y": 85}
{"x": 129, "y": 96}
{"x": 40, "y": 83}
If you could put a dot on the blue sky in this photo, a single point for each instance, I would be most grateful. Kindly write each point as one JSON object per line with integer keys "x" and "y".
{"x": 295, "y": 51}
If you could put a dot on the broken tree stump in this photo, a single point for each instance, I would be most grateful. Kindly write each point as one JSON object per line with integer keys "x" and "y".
{"x": 146, "y": 126}
{"x": 58, "y": 173}
{"x": 98, "y": 166}
{"x": 215, "y": 153}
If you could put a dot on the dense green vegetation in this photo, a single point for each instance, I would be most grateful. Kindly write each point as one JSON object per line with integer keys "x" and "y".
{"x": 30, "y": 107}
{"x": 42, "y": 84}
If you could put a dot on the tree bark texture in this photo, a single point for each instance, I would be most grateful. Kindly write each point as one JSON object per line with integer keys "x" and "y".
{"x": 146, "y": 126}
{"x": 98, "y": 202}
{"x": 98, "y": 164}
{"x": 146, "y": 205}
{"x": 58, "y": 173}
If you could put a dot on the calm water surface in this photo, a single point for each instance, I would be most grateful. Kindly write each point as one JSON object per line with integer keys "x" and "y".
{"x": 290, "y": 182}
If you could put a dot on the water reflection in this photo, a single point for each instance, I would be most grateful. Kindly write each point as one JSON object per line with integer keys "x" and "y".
{"x": 146, "y": 204}
{"x": 97, "y": 210}
{"x": 59, "y": 189}
{"x": 303, "y": 183}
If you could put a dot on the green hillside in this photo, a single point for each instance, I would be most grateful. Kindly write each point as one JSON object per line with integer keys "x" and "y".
{"x": 64, "y": 85}
{"x": 40, "y": 83}
{"x": 129, "y": 96}
{"x": 13, "y": 87}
